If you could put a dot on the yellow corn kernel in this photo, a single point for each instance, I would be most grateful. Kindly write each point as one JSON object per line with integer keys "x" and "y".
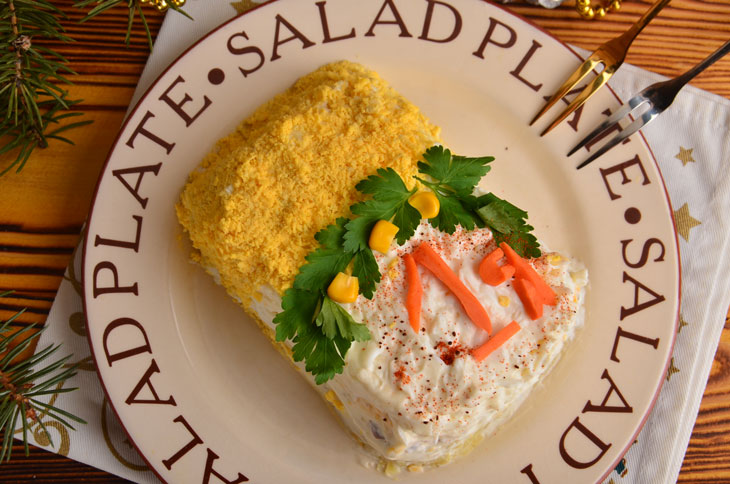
{"x": 331, "y": 397}
{"x": 554, "y": 259}
{"x": 415, "y": 468}
{"x": 392, "y": 469}
{"x": 426, "y": 203}
{"x": 503, "y": 301}
{"x": 343, "y": 288}
{"x": 396, "y": 450}
{"x": 382, "y": 236}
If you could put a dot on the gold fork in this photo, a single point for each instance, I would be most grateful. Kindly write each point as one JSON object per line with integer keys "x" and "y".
{"x": 611, "y": 55}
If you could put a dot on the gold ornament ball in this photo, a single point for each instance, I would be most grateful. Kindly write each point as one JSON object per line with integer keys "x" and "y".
{"x": 600, "y": 12}
{"x": 178, "y": 3}
{"x": 144, "y": 1}
{"x": 616, "y": 5}
{"x": 583, "y": 3}
{"x": 161, "y": 5}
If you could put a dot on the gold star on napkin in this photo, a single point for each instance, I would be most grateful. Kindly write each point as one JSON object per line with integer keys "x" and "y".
{"x": 685, "y": 155}
{"x": 672, "y": 369}
{"x": 246, "y": 5}
{"x": 685, "y": 222}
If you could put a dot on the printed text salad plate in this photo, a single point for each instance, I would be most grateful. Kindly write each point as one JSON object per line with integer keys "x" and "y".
{"x": 201, "y": 392}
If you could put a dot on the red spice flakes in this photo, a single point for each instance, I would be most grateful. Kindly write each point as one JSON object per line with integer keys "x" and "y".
{"x": 401, "y": 375}
{"x": 449, "y": 351}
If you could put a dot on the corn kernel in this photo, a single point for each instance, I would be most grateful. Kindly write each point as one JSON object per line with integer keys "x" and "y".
{"x": 382, "y": 236}
{"x": 579, "y": 277}
{"x": 426, "y": 203}
{"x": 415, "y": 468}
{"x": 554, "y": 259}
{"x": 343, "y": 288}
{"x": 503, "y": 301}
{"x": 331, "y": 397}
{"x": 392, "y": 469}
{"x": 397, "y": 450}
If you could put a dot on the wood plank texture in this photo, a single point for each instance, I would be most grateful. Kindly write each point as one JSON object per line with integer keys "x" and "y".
{"x": 44, "y": 207}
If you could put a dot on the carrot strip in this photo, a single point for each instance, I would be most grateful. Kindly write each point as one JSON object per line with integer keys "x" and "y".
{"x": 495, "y": 341}
{"x": 414, "y": 294}
{"x": 426, "y": 256}
{"x": 529, "y": 297}
{"x": 494, "y": 274}
{"x": 523, "y": 270}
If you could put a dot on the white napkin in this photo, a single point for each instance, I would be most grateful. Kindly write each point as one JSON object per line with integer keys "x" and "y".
{"x": 691, "y": 146}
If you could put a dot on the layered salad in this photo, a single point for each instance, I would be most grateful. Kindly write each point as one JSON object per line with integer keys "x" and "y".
{"x": 418, "y": 304}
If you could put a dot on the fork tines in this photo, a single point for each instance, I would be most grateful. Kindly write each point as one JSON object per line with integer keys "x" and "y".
{"x": 611, "y": 123}
{"x": 611, "y": 55}
{"x": 588, "y": 65}
{"x": 659, "y": 96}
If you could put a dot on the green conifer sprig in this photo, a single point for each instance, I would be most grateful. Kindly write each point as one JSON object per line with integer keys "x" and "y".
{"x": 36, "y": 106}
{"x": 135, "y": 8}
{"x": 24, "y": 383}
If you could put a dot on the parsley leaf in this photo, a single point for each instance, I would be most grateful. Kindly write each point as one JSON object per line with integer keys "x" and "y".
{"x": 406, "y": 218}
{"x": 453, "y": 181}
{"x": 359, "y": 228}
{"x": 299, "y": 307}
{"x": 335, "y": 322}
{"x": 366, "y": 269}
{"x": 508, "y": 224}
{"x": 331, "y": 237}
{"x": 389, "y": 201}
{"x": 323, "y": 357}
{"x": 459, "y": 173}
{"x": 386, "y": 186}
{"x": 451, "y": 214}
{"x": 321, "y": 267}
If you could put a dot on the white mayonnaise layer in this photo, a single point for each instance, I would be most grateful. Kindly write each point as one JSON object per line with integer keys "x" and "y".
{"x": 422, "y": 398}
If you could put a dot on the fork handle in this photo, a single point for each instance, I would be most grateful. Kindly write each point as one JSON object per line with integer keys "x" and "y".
{"x": 646, "y": 18}
{"x": 707, "y": 62}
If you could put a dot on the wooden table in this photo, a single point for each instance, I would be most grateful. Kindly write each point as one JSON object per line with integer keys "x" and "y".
{"x": 44, "y": 207}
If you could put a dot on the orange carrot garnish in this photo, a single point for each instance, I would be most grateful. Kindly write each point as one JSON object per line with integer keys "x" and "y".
{"x": 495, "y": 341}
{"x": 414, "y": 294}
{"x": 492, "y": 273}
{"x": 426, "y": 256}
{"x": 523, "y": 270}
{"x": 529, "y": 297}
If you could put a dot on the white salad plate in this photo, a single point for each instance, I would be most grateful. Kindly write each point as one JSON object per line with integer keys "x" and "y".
{"x": 201, "y": 392}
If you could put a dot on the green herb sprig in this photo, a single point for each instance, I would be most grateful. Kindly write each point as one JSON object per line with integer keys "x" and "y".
{"x": 135, "y": 8}
{"x": 453, "y": 179}
{"x": 323, "y": 331}
{"x": 37, "y": 108}
{"x": 22, "y": 385}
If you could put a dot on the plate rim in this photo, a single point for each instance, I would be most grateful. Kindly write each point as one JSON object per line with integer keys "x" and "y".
{"x": 131, "y": 112}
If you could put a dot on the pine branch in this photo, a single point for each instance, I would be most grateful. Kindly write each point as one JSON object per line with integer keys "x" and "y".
{"x": 23, "y": 382}
{"x": 135, "y": 8}
{"x": 30, "y": 81}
